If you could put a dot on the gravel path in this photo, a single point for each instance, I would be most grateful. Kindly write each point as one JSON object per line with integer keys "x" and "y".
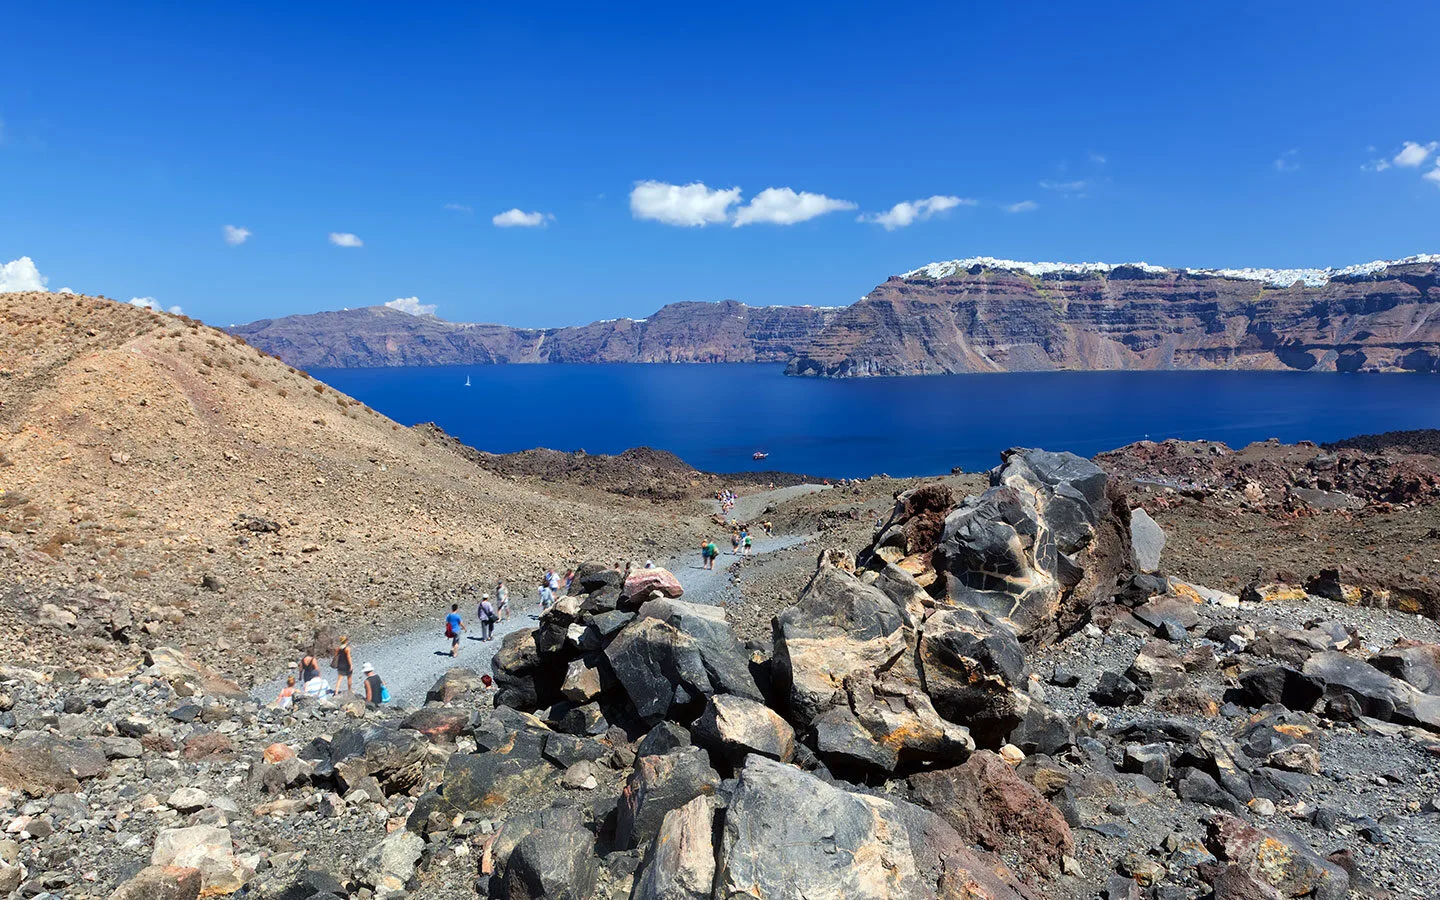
{"x": 411, "y": 662}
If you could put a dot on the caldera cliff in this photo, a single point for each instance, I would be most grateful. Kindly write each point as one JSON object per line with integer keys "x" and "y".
{"x": 987, "y": 315}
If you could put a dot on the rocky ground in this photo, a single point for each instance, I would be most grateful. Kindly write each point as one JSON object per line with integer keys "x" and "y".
{"x": 1188, "y": 672}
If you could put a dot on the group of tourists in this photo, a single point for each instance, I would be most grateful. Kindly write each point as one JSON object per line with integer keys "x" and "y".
{"x": 306, "y": 680}
{"x": 727, "y": 499}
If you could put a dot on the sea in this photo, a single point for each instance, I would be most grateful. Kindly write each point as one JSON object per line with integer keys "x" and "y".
{"x": 717, "y": 416}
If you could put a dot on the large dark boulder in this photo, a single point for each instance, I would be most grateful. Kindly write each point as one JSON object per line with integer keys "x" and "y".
{"x": 1412, "y": 662}
{"x": 515, "y": 665}
{"x": 1041, "y": 547}
{"x": 845, "y": 645}
{"x": 723, "y": 656}
{"x": 552, "y": 864}
{"x": 658, "y": 785}
{"x": 1378, "y": 695}
{"x": 971, "y": 664}
{"x": 660, "y": 668}
{"x": 1277, "y": 859}
{"x": 734, "y": 727}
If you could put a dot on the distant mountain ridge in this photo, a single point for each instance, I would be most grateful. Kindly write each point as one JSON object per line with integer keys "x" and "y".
{"x": 698, "y": 332}
{"x": 988, "y": 315}
{"x": 979, "y": 314}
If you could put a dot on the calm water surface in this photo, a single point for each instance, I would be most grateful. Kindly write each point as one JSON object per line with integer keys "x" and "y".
{"x": 716, "y": 416}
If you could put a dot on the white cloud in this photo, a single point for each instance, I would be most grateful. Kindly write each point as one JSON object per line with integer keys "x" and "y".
{"x": 412, "y": 305}
{"x": 517, "y": 218}
{"x": 1286, "y": 162}
{"x": 1375, "y": 165}
{"x": 153, "y": 305}
{"x": 684, "y": 205}
{"x": 1022, "y": 206}
{"x": 235, "y": 235}
{"x": 21, "y": 275}
{"x": 345, "y": 239}
{"x": 782, "y": 206}
{"x": 1433, "y": 175}
{"x": 1076, "y": 188}
{"x": 903, "y": 214}
{"x": 1411, "y": 155}
{"x": 65, "y": 290}
{"x": 1098, "y": 159}
{"x": 459, "y": 207}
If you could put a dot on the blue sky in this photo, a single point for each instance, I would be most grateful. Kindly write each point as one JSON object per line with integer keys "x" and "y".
{"x": 1215, "y": 134}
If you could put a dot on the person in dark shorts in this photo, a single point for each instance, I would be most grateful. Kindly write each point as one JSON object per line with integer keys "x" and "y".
{"x": 344, "y": 666}
{"x": 453, "y": 627}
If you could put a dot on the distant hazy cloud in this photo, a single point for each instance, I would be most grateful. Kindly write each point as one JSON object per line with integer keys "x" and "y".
{"x": 1411, "y": 155}
{"x": 684, "y": 205}
{"x": 21, "y": 275}
{"x": 345, "y": 239}
{"x": 518, "y": 218}
{"x": 1068, "y": 188}
{"x": 235, "y": 235}
{"x": 1287, "y": 161}
{"x": 459, "y": 207}
{"x": 413, "y": 306}
{"x": 1022, "y": 207}
{"x": 903, "y": 214}
{"x": 1098, "y": 159}
{"x": 782, "y": 206}
{"x": 153, "y": 305}
{"x": 1376, "y": 165}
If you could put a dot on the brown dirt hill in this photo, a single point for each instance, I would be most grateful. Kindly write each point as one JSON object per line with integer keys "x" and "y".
{"x": 134, "y": 445}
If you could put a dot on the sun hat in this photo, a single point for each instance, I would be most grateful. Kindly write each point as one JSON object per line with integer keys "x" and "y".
{"x": 367, "y": 668}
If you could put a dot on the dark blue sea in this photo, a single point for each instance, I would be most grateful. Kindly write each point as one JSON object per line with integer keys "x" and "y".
{"x": 716, "y": 416}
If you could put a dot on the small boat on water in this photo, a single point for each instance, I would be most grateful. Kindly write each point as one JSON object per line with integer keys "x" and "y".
{"x": 467, "y": 380}
{"x": 759, "y": 454}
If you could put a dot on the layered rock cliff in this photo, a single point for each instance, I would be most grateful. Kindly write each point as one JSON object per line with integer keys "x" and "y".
{"x": 985, "y": 315}
{"x": 378, "y": 336}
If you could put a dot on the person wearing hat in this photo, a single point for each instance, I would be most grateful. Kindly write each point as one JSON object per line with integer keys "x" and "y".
{"x": 488, "y": 617}
{"x": 374, "y": 687}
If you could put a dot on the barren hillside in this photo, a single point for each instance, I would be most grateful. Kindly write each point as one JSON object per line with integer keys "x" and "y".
{"x": 158, "y": 471}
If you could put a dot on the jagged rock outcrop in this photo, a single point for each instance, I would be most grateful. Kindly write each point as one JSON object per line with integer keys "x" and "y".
{"x": 692, "y": 331}
{"x": 1001, "y": 316}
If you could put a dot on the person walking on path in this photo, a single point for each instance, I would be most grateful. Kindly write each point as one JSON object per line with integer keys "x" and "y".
{"x": 547, "y": 596}
{"x": 502, "y": 599}
{"x": 488, "y": 617}
{"x": 552, "y": 581}
{"x": 745, "y": 540}
{"x": 714, "y": 554}
{"x": 453, "y": 627}
{"x": 704, "y": 554}
{"x": 735, "y": 542}
{"x": 374, "y": 687}
{"x": 344, "y": 666}
{"x": 569, "y": 579}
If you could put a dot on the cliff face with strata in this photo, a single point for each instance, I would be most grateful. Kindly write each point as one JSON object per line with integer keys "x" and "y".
{"x": 950, "y": 318}
{"x": 377, "y": 336}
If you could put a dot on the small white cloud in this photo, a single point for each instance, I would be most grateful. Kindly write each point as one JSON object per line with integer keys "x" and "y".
{"x": 1098, "y": 159}
{"x": 517, "y": 218}
{"x": 345, "y": 239}
{"x": 235, "y": 235}
{"x": 1067, "y": 188}
{"x": 459, "y": 207}
{"x": 683, "y": 205}
{"x": 903, "y": 214}
{"x": 21, "y": 275}
{"x": 782, "y": 206}
{"x": 65, "y": 290}
{"x": 413, "y": 306}
{"x": 1375, "y": 165}
{"x": 1411, "y": 154}
{"x": 1022, "y": 207}
{"x": 153, "y": 305}
{"x": 1433, "y": 176}
{"x": 1287, "y": 161}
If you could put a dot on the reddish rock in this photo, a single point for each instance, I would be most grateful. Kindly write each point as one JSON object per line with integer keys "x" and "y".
{"x": 988, "y": 804}
{"x": 439, "y": 722}
{"x": 642, "y": 582}
{"x": 207, "y": 746}
{"x": 161, "y": 883}
{"x": 278, "y": 753}
{"x": 1273, "y": 858}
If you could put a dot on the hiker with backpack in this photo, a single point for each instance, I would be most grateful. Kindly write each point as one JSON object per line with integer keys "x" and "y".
{"x": 488, "y": 617}
{"x": 453, "y": 627}
{"x": 375, "y": 691}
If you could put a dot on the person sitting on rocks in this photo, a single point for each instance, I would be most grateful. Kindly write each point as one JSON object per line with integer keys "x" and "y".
{"x": 287, "y": 694}
{"x": 375, "y": 693}
{"x": 309, "y": 670}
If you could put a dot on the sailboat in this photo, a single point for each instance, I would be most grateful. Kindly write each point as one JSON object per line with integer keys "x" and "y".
{"x": 467, "y": 380}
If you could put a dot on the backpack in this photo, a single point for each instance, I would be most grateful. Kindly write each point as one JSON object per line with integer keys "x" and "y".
{"x": 384, "y": 694}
